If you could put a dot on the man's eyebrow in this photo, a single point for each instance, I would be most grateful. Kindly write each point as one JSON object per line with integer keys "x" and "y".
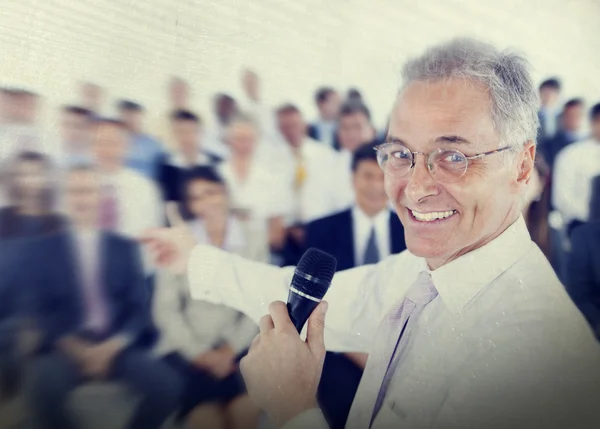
{"x": 452, "y": 139}
{"x": 392, "y": 139}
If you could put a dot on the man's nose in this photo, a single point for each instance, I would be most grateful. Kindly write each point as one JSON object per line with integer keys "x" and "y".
{"x": 421, "y": 183}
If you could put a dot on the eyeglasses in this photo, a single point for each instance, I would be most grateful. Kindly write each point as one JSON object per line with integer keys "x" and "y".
{"x": 445, "y": 165}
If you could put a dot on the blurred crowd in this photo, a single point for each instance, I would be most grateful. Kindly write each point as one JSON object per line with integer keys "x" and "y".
{"x": 82, "y": 303}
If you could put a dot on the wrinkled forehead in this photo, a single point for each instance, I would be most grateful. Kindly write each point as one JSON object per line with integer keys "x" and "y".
{"x": 424, "y": 111}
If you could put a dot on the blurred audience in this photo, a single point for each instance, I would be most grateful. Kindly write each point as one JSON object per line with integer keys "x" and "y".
{"x": 19, "y": 130}
{"x": 91, "y": 307}
{"x": 225, "y": 109}
{"x": 571, "y": 120}
{"x": 549, "y": 113}
{"x": 144, "y": 153}
{"x": 204, "y": 342}
{"x": 363, "y": 234}
{"x": 92, "y": 97}
{"x": 178, "y": 98}
{"x": 75, "y": 136}
{"x": 258, "y": 198}
{"x": 324, "y": 128}
{"x": 30, "y": 211}
{"x": 186, "y": 154}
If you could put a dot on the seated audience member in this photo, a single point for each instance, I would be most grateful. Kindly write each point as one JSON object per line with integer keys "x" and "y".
{"x": 354, "y": 130}
{"x": 354, "y": 96}
{"x": 571, "y": 120}
{"x": 549, "y": 113}
{"x": 91, "y": 307}
{"x": 324, "y": 128}
{"x": 203, "y": 341}
{"x": 364, "y": 234}
{"x": 187, "y": 153}
{"x": 582, "y": 275}
{"x": 76, "y": 135}
{"x": 537, "y": 206}
{"x": 258, "y": 197}
{"x": 30, "y": 192}
{"x": 130, "y": 202}
{"x": 309, "y": 166}
{"x": 225, "y": 109}
{"x": 92, "y": 97}
{"x": 575, "y": 168}
{"x": 261, "y": 113}
{"x": 178, "y": 98}
{"x": 145, "y": 153}
{"x": 19, "y": 130}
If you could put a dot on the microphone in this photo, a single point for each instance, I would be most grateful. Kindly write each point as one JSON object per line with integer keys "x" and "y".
{"x": 310, "y": 282}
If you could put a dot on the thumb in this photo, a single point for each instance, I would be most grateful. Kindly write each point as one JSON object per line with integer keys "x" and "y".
{"x": 315, "y": 330}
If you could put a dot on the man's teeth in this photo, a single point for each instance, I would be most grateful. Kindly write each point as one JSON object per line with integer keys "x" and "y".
{"x": 428, "y": 217}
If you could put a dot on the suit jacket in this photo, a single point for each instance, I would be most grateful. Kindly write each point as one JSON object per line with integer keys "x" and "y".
{"x": 57, "y": 290}
{"x": 595, "y": 200}
{"x": 172, "y": 178}
{"x": 550, "y": 148}
{"x": 312, "y": 131}
{"x": 10, "y": 224}
{"x": 583, "y": 272}
{"x": 335, "y": 235}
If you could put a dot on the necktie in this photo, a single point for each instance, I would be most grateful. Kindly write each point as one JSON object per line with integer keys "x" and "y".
{"x": 109, "y": 208}
{"x": 300, "y": 172}
{"x": 371, "y": 255}
{"x": 390, "y": 341}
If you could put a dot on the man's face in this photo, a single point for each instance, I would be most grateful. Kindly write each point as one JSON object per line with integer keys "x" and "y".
{"x": 187, "y": 135}
{"x": 179, "y": 94}
{"x": 110, "y": 145}
{"x": 83, "y": 197}
{"x": 241, "y": 138}
{"x": 75, "y": 128}
{"x": 133, "y": 120}
{"x": 369, "y": 187}
{"x": 251, "y": 84}
{"x": 92, "y": 96}
{"x": 31, "y": 178}
{"x": 484, "y": 202}
{"x": 207, "y": 199}
{"x": 329, "y": 108}
{"x": 596, "y": 128}
{"x": 549, "y": 96}
{"x": 225, "y": 109}
{"x": 354, "y": 130}
{"x": 572, "y": 118}
{"x": 292, "y": 127}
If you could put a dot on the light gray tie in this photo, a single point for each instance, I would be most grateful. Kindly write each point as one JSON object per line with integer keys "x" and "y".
{"x": 390, "y": 341}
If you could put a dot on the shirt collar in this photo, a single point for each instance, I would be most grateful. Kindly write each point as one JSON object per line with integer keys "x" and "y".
{"x": 382, "y": 217}
{"x": 480, "y": 267}
{"x": 176, "y": 159}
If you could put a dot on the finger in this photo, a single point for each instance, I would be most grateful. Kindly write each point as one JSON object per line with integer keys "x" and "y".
{"x": 266, "y": 324}
{"x": 315, "y": 337}
{"x": 153, "y": 235}
{"x": 255, "y": 342}
{"x": 281, "y": 318}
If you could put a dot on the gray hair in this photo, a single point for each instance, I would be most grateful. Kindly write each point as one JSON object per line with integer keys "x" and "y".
{"x": 513, "y": 97}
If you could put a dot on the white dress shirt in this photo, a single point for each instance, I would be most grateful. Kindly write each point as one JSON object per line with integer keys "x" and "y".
{"x": 502, "y": 345}
{"x": 194, "y": 327}
{"x": 362, "y": 226}
{"x": 575, "y": 168}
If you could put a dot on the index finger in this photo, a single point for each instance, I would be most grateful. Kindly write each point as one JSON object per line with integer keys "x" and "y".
{"x": 281, "y": 318}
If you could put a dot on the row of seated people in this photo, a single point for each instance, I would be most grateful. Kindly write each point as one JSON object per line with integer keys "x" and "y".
{"x": 89, "y": 300}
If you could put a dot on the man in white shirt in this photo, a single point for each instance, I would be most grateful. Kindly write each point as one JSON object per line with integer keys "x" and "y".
{"x": 576, "y": 166}
{"x": 469, "y": 328}
{"x": 131, "y": 203}
{"x": 324, "y": 129}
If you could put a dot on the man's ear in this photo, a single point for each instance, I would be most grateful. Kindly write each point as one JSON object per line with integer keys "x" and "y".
{"x": 526, "y": 163}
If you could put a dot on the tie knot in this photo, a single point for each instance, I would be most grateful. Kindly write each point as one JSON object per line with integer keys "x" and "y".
{"x": 422, "y": 291}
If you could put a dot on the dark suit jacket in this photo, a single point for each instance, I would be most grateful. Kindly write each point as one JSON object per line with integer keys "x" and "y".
{"x": 550, "y": 148}
{"x": 10, "y": 224}
{"x": 335, "y": 235}
{"x": 595, "y": 200}
{"x": 583, "y": 272}
{"x": 57, "y": 290}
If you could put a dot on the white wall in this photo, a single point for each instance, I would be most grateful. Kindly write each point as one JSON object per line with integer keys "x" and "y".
{"x": 132, "y": 46}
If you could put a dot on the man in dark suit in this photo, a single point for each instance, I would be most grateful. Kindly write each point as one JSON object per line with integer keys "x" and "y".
{"x": 571, "y": 120}
{"x": 364, "y": 234}
{"x": 324, "y": 129}
{"x": 549, "y": 111}
{"x": 91, "y": 306}
{"x": 583, "y": 273}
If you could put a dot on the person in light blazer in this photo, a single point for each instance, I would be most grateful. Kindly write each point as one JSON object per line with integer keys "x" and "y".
{"x": 204, "y": 342}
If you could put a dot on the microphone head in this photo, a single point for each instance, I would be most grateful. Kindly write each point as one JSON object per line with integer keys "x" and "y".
{"x": 314, "y": 273}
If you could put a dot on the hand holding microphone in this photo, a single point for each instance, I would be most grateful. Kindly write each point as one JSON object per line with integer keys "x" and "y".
{"x": 281, "y": 371}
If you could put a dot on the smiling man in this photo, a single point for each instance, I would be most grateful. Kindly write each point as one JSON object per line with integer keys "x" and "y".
{"x": 469, "y": 328}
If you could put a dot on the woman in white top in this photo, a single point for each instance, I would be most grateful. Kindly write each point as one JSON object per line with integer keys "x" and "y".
{"x": 258, "y": 195}
{"x": 204, "y": 341}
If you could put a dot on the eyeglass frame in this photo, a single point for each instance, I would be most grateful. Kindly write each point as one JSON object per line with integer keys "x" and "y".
{"x": 427, "y": 155}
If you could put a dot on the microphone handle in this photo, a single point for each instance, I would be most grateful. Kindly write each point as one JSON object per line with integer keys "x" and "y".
{"x": 299, "y": 309}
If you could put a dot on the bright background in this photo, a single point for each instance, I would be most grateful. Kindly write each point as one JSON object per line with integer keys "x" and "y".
{"x": 131, "y": 47}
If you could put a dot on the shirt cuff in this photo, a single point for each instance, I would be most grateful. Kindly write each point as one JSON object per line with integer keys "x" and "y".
{"x": 202, "y": 269}
{"x": 312, "y": 418}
